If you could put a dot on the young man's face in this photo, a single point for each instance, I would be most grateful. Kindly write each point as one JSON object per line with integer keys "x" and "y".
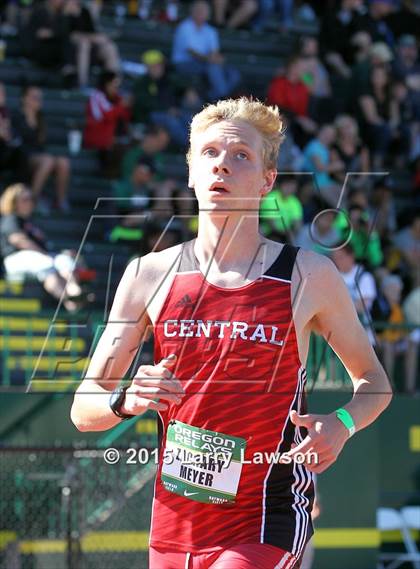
{"x": 228, "y": 155}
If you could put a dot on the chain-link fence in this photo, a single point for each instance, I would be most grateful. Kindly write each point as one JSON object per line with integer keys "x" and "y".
{"x": 69, "y": 508}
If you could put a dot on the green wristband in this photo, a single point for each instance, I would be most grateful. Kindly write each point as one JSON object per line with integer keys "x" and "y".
{"x": 344, "y": 416}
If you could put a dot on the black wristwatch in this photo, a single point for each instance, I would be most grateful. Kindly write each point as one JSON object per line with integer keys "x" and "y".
{"x": 116, "y": 401}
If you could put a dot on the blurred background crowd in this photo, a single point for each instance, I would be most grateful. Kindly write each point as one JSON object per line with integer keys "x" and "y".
{"x": 86, "y": 122}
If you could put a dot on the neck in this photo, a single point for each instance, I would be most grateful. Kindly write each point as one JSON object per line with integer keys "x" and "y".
{"x": 231, "y": 241}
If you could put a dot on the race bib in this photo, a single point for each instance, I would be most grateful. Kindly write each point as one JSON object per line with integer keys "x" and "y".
{"x": 202, "y": 465}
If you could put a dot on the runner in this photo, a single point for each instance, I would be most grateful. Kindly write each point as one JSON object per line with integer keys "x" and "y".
{"x": 231, "y": 313}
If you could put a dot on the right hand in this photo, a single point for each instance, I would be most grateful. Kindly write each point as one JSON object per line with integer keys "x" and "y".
{"x": 150, "y": 385}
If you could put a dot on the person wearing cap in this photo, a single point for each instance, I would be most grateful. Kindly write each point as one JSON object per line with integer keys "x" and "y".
{"x": 164, "y": 99}
{"x": 379, "y": 55}
{"x": 155, "y": 90}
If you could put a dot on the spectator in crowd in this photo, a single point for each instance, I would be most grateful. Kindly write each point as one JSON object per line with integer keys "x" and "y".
{"x": 376, "y": 115}
{"x": 382, "y": 209}
{"x": 290, "y": 158}
{"x": 405, "y": 123}
{"x": 317, "y": 79}
{"x": 154, "y": 142}
{"x": 358, "y": 228}
{"x": 320, "y": 160}
{"x": 134, "y": 196}
{"x": 310, "y": 199}
{"x": 373, "y": 21}
{"x": 135, "y": 193}
{"x": 47, "y": 38}
{"x": 106, "y": 110}
{"x": 159, "y": 97}
{"x": 12, "y": 159}
{"x": 337, "y": 29}
{"x": 25, "y": 253}
{"x": 350, "y": 150}
{"x": 30, "y": 125}
{"x": 359, "y": 282}
{"x": 291, "y": 95}
{"x": 280, "y": 11}
{"x": 156, "y": 90}
{"x": 14, "y": 15}
{"x": 151, "y": 148}
{"x": 196, "y": 51}
{"x": 281, "y": 211}
{"x": 407, "y": 241}
{"x": 84, "y": 36}
{"x": 319, "y": 235}
{"x": 234, "y": 14}
{"x": 362, "y": 44}
{"x": 411, "y": 309}
{"x": 394, "y": 341}
{"x": 379, "y": 55}
{"x": 406, "y": 65}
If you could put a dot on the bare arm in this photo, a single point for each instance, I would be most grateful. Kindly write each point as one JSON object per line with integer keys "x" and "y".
{"x": 336, "y": 319}
{"x": 369, "y": 110}
{"x": 333, "y": 165}
{"x": 347, "y": 337}
{"x": 127, "y": 327}
{"x": 22, "y": 241}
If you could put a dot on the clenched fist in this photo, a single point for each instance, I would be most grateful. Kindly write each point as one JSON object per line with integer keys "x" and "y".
{"x": 151, "y": 386}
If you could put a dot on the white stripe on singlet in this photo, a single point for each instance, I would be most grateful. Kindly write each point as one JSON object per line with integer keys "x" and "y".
{"x": 264, "y": 496}
{"x": 283, "y": 561}
{"x": 303, "y": 478}
{"x": 276, "y": 279}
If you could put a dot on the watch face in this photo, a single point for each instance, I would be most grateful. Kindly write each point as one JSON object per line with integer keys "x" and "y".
{"x": 117, "y": 398}
{"x": 116, "y": 401}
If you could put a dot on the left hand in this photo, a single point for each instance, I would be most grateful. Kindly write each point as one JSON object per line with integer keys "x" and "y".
{"x": 326, "y": 438}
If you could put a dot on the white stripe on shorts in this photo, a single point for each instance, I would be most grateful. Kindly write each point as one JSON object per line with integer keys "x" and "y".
{"x": 283, "y": 561}
{"x": 187, "y": 560}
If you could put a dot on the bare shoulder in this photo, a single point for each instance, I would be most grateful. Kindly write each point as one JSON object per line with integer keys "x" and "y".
{"x": 154, "y": 263}
{"x": 313, "y": 265}
{"x": 149, "y": 271}
{"x": 158, "y": 264}
{"x": 316, "y": 283}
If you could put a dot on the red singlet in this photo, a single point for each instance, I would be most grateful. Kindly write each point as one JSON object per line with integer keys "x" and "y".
{"x": 239, "y": 364}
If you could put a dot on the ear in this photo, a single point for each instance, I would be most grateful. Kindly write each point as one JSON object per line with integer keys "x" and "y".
{"x": 190, "y": 180}
{"x": 269, "y": 179}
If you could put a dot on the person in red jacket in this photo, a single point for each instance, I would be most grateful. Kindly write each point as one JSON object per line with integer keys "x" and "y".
{"x": 292, "y": 95}
{"x": 106, "y": 108}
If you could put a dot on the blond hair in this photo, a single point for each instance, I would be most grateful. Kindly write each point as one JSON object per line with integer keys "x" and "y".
{"x": 265, "y": 119}
{"x": 10, "y": 197}
{"x": 343, "y": 121}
